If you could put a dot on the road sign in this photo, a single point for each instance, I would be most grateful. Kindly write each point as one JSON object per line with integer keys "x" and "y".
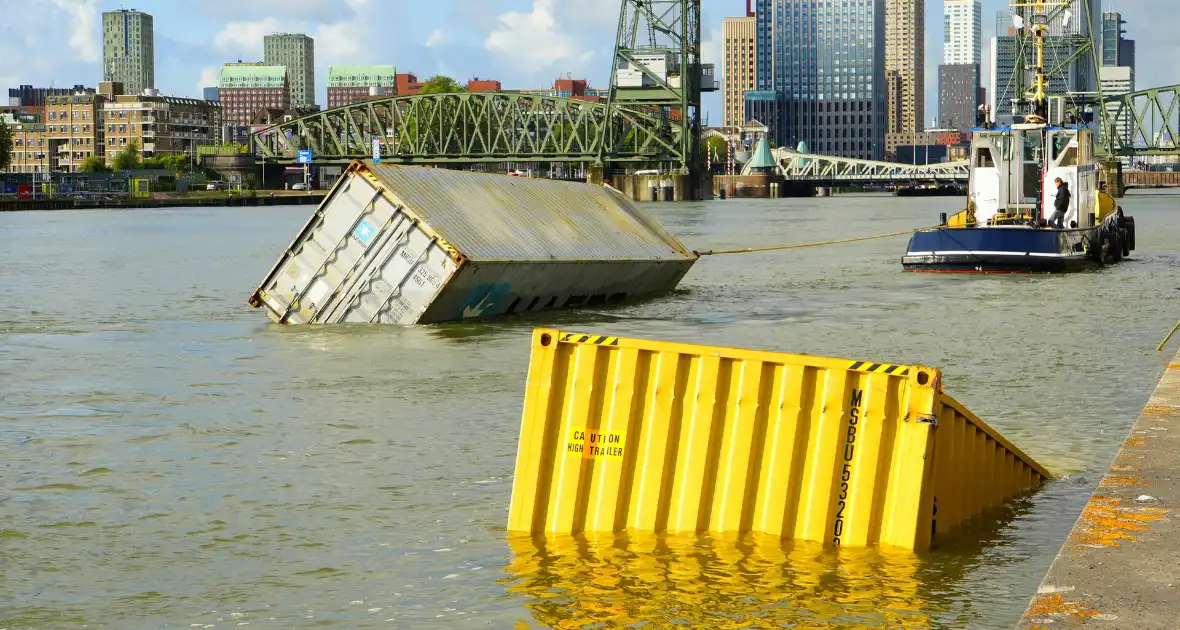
{"x": 305, "y": 156}
{"x": 377, "y": 150}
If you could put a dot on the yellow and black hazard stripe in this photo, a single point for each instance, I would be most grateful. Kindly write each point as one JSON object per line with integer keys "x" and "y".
{"x": 589, "y": 339}
{"x": 880, "y": 368}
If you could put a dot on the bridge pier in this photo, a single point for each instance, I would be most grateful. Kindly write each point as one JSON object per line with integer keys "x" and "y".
{"x": 1110, "y": 173}
{"x": 760, "y": 186}
{"x": 595, "y": 175}
{"x": 640, "y": 187}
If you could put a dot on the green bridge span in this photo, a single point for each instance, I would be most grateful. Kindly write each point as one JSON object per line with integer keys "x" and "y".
{"x": 475, "y": 128}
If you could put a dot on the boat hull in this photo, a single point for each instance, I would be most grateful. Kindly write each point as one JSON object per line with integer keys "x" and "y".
{"x": 1002, "y": 249}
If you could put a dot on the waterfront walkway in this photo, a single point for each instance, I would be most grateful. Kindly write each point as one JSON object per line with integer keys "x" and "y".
{"x": 1120, "y": 566}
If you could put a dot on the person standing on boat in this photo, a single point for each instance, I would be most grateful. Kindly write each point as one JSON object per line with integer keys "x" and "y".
{"x": 1060, "y": 205}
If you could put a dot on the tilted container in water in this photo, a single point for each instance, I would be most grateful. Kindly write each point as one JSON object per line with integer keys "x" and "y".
{"x": 649, "y": 436}
{"x": 411, "y": 245}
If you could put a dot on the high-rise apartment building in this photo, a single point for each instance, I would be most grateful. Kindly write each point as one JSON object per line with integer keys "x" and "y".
{"x": 959, "y": 74}
{"x": 296, "y": 52}
{"x": 129, "y": 50}
{"x": 962, "y": 22}
{"x": 825, "y": 63}
{"x": 246, "y": 87}
{"x": 351, "y": 84}
{"x": 739, "y": 67}
{"x": 905, "y": 65}
{"x": 959, "y": 95}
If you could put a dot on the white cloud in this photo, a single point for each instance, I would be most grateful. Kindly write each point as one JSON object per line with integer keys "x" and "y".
{"x": 711, "y": 47}
{"x": 437, "y": 37}
{"x": 84, "y": 25}
{"x": 210, "y": 77}
{"x": 533, "y": 41}
{"x": 244, "y": 39}
{"x": 339, "y": 43}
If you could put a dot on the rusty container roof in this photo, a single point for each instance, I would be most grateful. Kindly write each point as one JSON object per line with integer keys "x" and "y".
{"x": 501, "y": 218}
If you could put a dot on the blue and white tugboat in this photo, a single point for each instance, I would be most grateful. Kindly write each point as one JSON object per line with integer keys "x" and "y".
{"x": 1012, "y": 223}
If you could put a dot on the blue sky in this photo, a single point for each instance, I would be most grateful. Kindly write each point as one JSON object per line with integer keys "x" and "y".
{"x": 523, "y": 43}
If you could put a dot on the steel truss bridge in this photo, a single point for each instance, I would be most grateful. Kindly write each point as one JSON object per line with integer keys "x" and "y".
{"x": 1143, "y": 123}
{"x": 822, "y": 170}
{"x": 473, "y": 128}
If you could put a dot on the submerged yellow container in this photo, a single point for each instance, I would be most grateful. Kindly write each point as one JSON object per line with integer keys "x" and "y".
{"x": 621, "y": 434}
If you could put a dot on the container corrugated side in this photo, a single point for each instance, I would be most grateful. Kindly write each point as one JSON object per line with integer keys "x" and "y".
{"x": 500, "y": 218}
{"x": 621, "y": 434}
{"x": 975, "y": 468}
{"x": 359, "y": 259}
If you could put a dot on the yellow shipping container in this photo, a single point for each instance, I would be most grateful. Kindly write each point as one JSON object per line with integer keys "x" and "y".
{"x": 649, "y": 436}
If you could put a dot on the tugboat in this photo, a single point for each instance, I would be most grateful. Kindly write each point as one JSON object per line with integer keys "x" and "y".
{"x": 1011, "y": 192}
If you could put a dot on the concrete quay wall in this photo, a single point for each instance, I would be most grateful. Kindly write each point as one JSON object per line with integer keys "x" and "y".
{"x": 1120, "y": 566}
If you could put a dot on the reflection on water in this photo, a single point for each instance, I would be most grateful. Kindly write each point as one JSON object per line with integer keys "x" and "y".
{"x": 755, "y": 580}
{"x": 715, "y": 582}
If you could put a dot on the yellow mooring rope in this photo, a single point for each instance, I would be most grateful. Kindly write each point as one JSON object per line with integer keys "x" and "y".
{"x": 1166, "y": 339}
{"x": 751, "y": 250}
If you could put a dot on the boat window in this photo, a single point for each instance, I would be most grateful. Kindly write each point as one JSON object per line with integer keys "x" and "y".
{"x": 1006, "y": 148}
{"x": 1032, "y": 148}
{"x": 983, "y": 158}
{"x": 1060, "y": 140}
{"x": 1069, "y": 157}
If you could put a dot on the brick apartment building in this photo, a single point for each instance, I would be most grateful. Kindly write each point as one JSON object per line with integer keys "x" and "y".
{"x": 246, "y": 87}
{"x": 354, "y": 84}
{"x": 157, "y": 125}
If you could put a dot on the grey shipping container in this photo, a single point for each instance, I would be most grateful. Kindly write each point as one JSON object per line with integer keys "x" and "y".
{"x": 411, "y": 245}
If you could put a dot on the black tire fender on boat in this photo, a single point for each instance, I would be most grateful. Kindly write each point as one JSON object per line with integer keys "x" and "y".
{"x": 1130, "y": 233}
{"x": 1112, "y": 251}
{"x": 1095, "y": 246}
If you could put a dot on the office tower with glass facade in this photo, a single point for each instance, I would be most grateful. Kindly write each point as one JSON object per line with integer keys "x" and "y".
{"x": 1116, "y": 49}
{"x": 129, "y": 50}
{"x": 295, "y": 52}
{"x": 825, "y": 61}
{"x": 1117, "y": 74}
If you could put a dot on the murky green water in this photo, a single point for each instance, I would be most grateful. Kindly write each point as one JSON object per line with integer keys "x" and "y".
{"x": 169, "y": 459}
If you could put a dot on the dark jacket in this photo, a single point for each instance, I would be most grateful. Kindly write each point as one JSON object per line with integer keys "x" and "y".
{"x": 1061, "y": 203}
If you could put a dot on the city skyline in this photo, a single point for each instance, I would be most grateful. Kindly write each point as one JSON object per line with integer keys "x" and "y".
{"x": 523, "y": 43}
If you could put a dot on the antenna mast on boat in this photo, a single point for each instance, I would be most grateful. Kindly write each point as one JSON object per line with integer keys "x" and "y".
{"x": 1034, "y": 16}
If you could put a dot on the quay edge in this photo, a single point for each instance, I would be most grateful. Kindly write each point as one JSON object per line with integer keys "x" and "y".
{"x": 1120, "y": 565}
